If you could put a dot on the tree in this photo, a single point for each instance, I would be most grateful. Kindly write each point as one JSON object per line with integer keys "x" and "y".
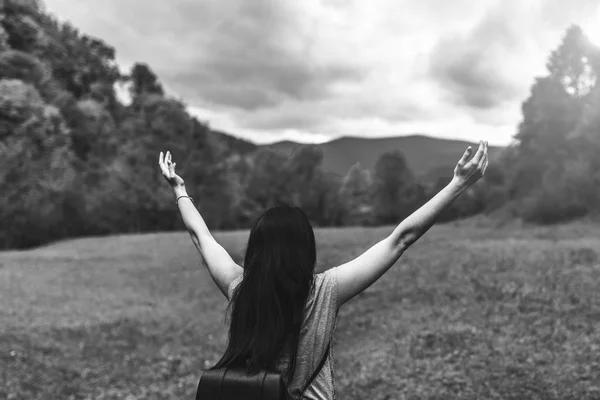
{"x": 243, "y": 210}
{"x": 355, "y": 193}
{"x": 93, "y": 132}
{"x": 144, "y": 81}
{"x": 79, "y": 61}
{"x": 213, "y": 178}
{"x": 571, "y": 64}
{"x": 331, "y": 203}
{"x": 36, "y": 174}
{"x": 19, "y": 19}
{"x": 16, "y": 64}
{"x": 268, "y": 182}
{"x": 304, "y": 172}
{"x": 553, "y": 111}
{"x": 558, "y": 139}
{"x": 395, "y": 191}
{"x": 19, "y": 102}
{"x": 159, "y": 124}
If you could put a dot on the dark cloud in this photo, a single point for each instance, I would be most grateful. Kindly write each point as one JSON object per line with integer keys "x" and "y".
{"x": 226, "y": 53}
{"x": 319, "y": 116}
{"x": 246, "y": 97}
{"x": 470, "y": 67}
{"x": 253, "y": 81}
{"x": 243, "y": 54}
{"x": 472, "y": 79}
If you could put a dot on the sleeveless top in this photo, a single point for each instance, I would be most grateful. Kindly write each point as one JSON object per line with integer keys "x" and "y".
{"x": 316, "y": 332}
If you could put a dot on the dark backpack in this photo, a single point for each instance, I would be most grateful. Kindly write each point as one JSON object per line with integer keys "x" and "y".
{"x": 235, "y": 383}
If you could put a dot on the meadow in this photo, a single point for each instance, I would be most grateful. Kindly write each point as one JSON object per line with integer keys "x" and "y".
{"x": 474, "y": 310}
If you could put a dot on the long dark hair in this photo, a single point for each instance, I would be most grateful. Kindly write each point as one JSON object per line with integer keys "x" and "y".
{"x": 267, "y": 307}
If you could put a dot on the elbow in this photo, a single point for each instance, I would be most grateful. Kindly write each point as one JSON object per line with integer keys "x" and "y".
{"x": 194, "y": 238}
{"x": 401, "y": 243}
{"x": 406, "y": 242}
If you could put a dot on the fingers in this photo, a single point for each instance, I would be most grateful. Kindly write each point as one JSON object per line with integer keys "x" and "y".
{"x": 164, "y": 159}
{"x": 483, "y": 156}
{"x": 482, "y": 165}
{"x": 164, "y": 162}
{"x": 477, "y": 158}
{"x": 465, "y": 157}
{"x": 167, "y": 167}
{"x": 161, "y": 163}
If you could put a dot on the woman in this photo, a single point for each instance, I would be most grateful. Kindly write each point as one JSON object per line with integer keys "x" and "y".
{"x": 282, "y": 313}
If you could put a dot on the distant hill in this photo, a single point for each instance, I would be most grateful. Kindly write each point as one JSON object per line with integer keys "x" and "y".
{"x": 428, "y": 157}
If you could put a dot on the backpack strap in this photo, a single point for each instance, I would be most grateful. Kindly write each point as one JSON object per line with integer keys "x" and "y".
{"x": 317, "y": 370}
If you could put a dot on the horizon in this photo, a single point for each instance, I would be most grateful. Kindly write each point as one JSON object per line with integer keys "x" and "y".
{"x": 356, "y": 137}
{"x": 270, "y": 71}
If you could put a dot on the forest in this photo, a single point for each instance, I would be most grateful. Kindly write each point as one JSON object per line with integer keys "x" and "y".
{"x": 76, "y": 160}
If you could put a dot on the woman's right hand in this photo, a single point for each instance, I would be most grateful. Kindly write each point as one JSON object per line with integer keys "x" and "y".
{"x": 467, "y": 172}
{"x": 167, "y": 167}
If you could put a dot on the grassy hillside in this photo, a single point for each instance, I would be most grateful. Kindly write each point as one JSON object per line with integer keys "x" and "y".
{"x": 425, "y": 155}
{"x": 473, "y": 311}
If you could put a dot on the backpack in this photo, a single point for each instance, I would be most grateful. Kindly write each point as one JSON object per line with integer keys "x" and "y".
{"x": 236, "y": 383}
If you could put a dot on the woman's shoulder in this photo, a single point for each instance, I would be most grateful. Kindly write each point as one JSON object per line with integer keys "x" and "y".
{"x": 325, "y": 287}
{"x": 327, "y": 278}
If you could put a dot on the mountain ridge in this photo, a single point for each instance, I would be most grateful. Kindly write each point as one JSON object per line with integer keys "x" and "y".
{"x": 427, "y": 156}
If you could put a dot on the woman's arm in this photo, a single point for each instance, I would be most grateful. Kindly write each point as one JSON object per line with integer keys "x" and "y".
{"x": 357, "y": 275}
{"x": 220, "y": 265}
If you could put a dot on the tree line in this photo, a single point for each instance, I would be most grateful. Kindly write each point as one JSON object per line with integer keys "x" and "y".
{"x": 75, "y": 160}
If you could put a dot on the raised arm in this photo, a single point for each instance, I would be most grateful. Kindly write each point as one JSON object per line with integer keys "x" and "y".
{"x": 220, "y": 265}
{"x": 357, "y": 275}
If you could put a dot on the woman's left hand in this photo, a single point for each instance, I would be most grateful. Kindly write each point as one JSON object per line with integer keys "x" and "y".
{"x": 168, "y": 170}
{"x": 467, "y": 173}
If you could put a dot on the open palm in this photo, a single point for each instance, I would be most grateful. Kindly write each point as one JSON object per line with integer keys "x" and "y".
{"x": 167, "y": 167}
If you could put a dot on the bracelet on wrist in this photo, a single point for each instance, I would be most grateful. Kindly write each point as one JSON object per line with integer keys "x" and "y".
{"x": 180, "y": 197}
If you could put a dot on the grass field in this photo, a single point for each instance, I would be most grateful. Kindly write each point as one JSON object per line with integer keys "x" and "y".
{"x": 472, "y": 311}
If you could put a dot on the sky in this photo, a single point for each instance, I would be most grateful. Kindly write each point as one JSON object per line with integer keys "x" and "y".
{"x": 314, "y": 70}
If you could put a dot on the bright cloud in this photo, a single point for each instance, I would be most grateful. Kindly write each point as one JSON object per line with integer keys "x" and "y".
{"x": 316, "y": 69}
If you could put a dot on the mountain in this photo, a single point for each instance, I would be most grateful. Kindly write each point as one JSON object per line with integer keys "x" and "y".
{"x": 427, "y": 156}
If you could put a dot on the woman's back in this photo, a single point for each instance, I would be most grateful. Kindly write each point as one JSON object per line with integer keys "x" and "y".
{"x": 316, "y": 333}
{"x": 279, "y": 286}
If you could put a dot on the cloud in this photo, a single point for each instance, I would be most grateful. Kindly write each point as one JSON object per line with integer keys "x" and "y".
{"x": 257, "y": 56}
{"x": 491, "y": 66}
{"x": 472, "y": 67}
{"x": 339, "y": 67}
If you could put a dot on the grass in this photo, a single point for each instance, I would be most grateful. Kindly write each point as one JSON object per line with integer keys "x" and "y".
{"x": 474, "y": 310}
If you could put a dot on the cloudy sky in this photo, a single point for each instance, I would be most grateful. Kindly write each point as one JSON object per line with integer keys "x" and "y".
{"x": 312, "y": 70}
